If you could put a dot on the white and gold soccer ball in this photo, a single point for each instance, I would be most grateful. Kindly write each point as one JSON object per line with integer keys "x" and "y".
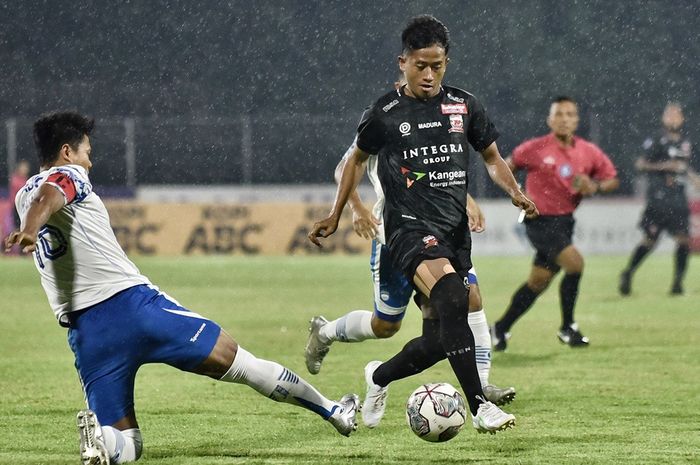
{"x": 436, "y": 412}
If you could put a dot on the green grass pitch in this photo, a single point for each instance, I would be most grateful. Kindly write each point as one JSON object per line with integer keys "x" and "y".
{"x": 632, "y": 397}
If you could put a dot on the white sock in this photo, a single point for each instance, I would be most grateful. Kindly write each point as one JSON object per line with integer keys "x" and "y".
{"x": 482, "y": 341}
{"x": 277, "y": 382}
{"x": 355, "y": 326}
{"x": 122, "y": 446}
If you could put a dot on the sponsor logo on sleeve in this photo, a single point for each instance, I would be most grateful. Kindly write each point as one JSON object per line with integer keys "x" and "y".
{"x": 454, "y": 108}
{"x": 390, "y": 105}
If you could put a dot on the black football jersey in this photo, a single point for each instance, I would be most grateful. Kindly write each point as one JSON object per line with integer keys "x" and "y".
{"x": 667, "y": 187}
{"x": 422, "y": 149}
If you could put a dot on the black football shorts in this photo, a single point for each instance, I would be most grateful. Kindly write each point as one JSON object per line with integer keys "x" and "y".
{"x": 409, "y": 248}
{"x": 674, "y": 219}
{"x": 549, "y": 235}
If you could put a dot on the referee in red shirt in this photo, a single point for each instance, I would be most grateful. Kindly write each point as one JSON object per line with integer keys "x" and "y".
{"x": 561, "y": 169}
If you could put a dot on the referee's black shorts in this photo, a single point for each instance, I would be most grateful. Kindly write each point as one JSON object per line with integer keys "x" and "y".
{"x": 549, "y": 235}
{"x": 408, "y": 248}
{"x": 673, "y": 218}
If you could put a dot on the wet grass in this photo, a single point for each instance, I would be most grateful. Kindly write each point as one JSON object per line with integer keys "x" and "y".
{"x": 631, "y": 397}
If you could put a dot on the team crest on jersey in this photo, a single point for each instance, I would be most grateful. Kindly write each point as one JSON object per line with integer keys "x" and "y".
{"x": 565, "y": 171}
{"x": 405, "y": 128}
{"x": 454, "y": 108}
{"x": 411, "y": 176}
{"x": 456, "y": 124}
{"x": 430, "y": 241}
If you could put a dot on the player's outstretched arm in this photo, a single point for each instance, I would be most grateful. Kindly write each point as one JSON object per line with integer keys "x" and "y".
{"x": 363, "y": 222}
{"x": 477, "y": 220}
{"x": 501, "y": 174}
{"x": 350, "y": 178}
{"x": 46, "y": 202}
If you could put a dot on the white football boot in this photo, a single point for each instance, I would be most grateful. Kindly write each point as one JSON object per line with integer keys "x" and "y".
{"x": 375, "y": 400}
{"x": 489, "y": 419}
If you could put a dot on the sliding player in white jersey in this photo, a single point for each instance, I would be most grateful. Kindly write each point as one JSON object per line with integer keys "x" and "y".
{"x": 116, "y": 320}
{"x": 392, "y": 294}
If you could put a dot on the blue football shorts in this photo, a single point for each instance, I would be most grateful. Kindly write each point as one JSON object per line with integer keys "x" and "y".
{"x": 139, "y": 325}
{"x": 392, "y": 290}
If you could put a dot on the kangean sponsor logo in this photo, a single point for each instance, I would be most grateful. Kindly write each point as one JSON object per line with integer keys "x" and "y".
{"x": 447, "y": 178}
{"x": 446, "y": 175}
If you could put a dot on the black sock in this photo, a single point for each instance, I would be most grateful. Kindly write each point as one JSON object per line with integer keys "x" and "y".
{"x": 417, "y": 355}
{"x": 568, "y": 291}
{"x": 637, "y": 256}
{"x": 520, "y": 303}
{"x": 450, "y": 299}
{"x": 681, "y": 263}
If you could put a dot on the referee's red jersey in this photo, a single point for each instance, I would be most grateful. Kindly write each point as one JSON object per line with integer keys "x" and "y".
{"x": 552, "y": 167}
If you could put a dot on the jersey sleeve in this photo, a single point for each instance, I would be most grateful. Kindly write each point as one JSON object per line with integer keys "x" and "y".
{"x": 72, "y": 182}
{"x": 603, "y": 168}
{"x": 481, "y": 131}
{"x": 522, "y": 155}
{"x": 371, "y": 135}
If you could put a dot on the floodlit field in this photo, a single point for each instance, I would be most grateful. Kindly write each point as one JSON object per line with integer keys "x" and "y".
{"x": 632, "y": 397}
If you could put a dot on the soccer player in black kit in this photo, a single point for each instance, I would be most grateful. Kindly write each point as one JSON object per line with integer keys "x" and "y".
{"x": 666, "y": 162}
{"x": 420, "y": 134}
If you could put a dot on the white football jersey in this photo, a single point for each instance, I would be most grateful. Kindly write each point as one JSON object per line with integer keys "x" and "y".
{"x": 78, "y": 257}
{"x": 378, "y": 209}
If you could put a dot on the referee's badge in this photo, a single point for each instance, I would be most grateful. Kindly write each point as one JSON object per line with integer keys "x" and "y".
{"x": 565, "y": 171}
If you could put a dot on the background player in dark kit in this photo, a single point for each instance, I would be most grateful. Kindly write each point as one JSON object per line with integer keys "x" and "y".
{"x": 666, "y": 163}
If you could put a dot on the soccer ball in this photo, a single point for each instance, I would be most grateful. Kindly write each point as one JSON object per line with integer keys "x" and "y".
{"x": 436, "y": 412}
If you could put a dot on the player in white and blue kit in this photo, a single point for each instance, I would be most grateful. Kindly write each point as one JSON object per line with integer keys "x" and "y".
{"x": 116, "y": 319}
{"x": 392, "y": 294}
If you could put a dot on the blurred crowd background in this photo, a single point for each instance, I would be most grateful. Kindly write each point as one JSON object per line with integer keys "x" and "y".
{"x": 269, "y": 92}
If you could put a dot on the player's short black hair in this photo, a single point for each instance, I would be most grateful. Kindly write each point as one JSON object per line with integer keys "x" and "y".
{"x": 563, "y": 98}
{"x": 424, "y": 31}
{"x": 52, "y": 130}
